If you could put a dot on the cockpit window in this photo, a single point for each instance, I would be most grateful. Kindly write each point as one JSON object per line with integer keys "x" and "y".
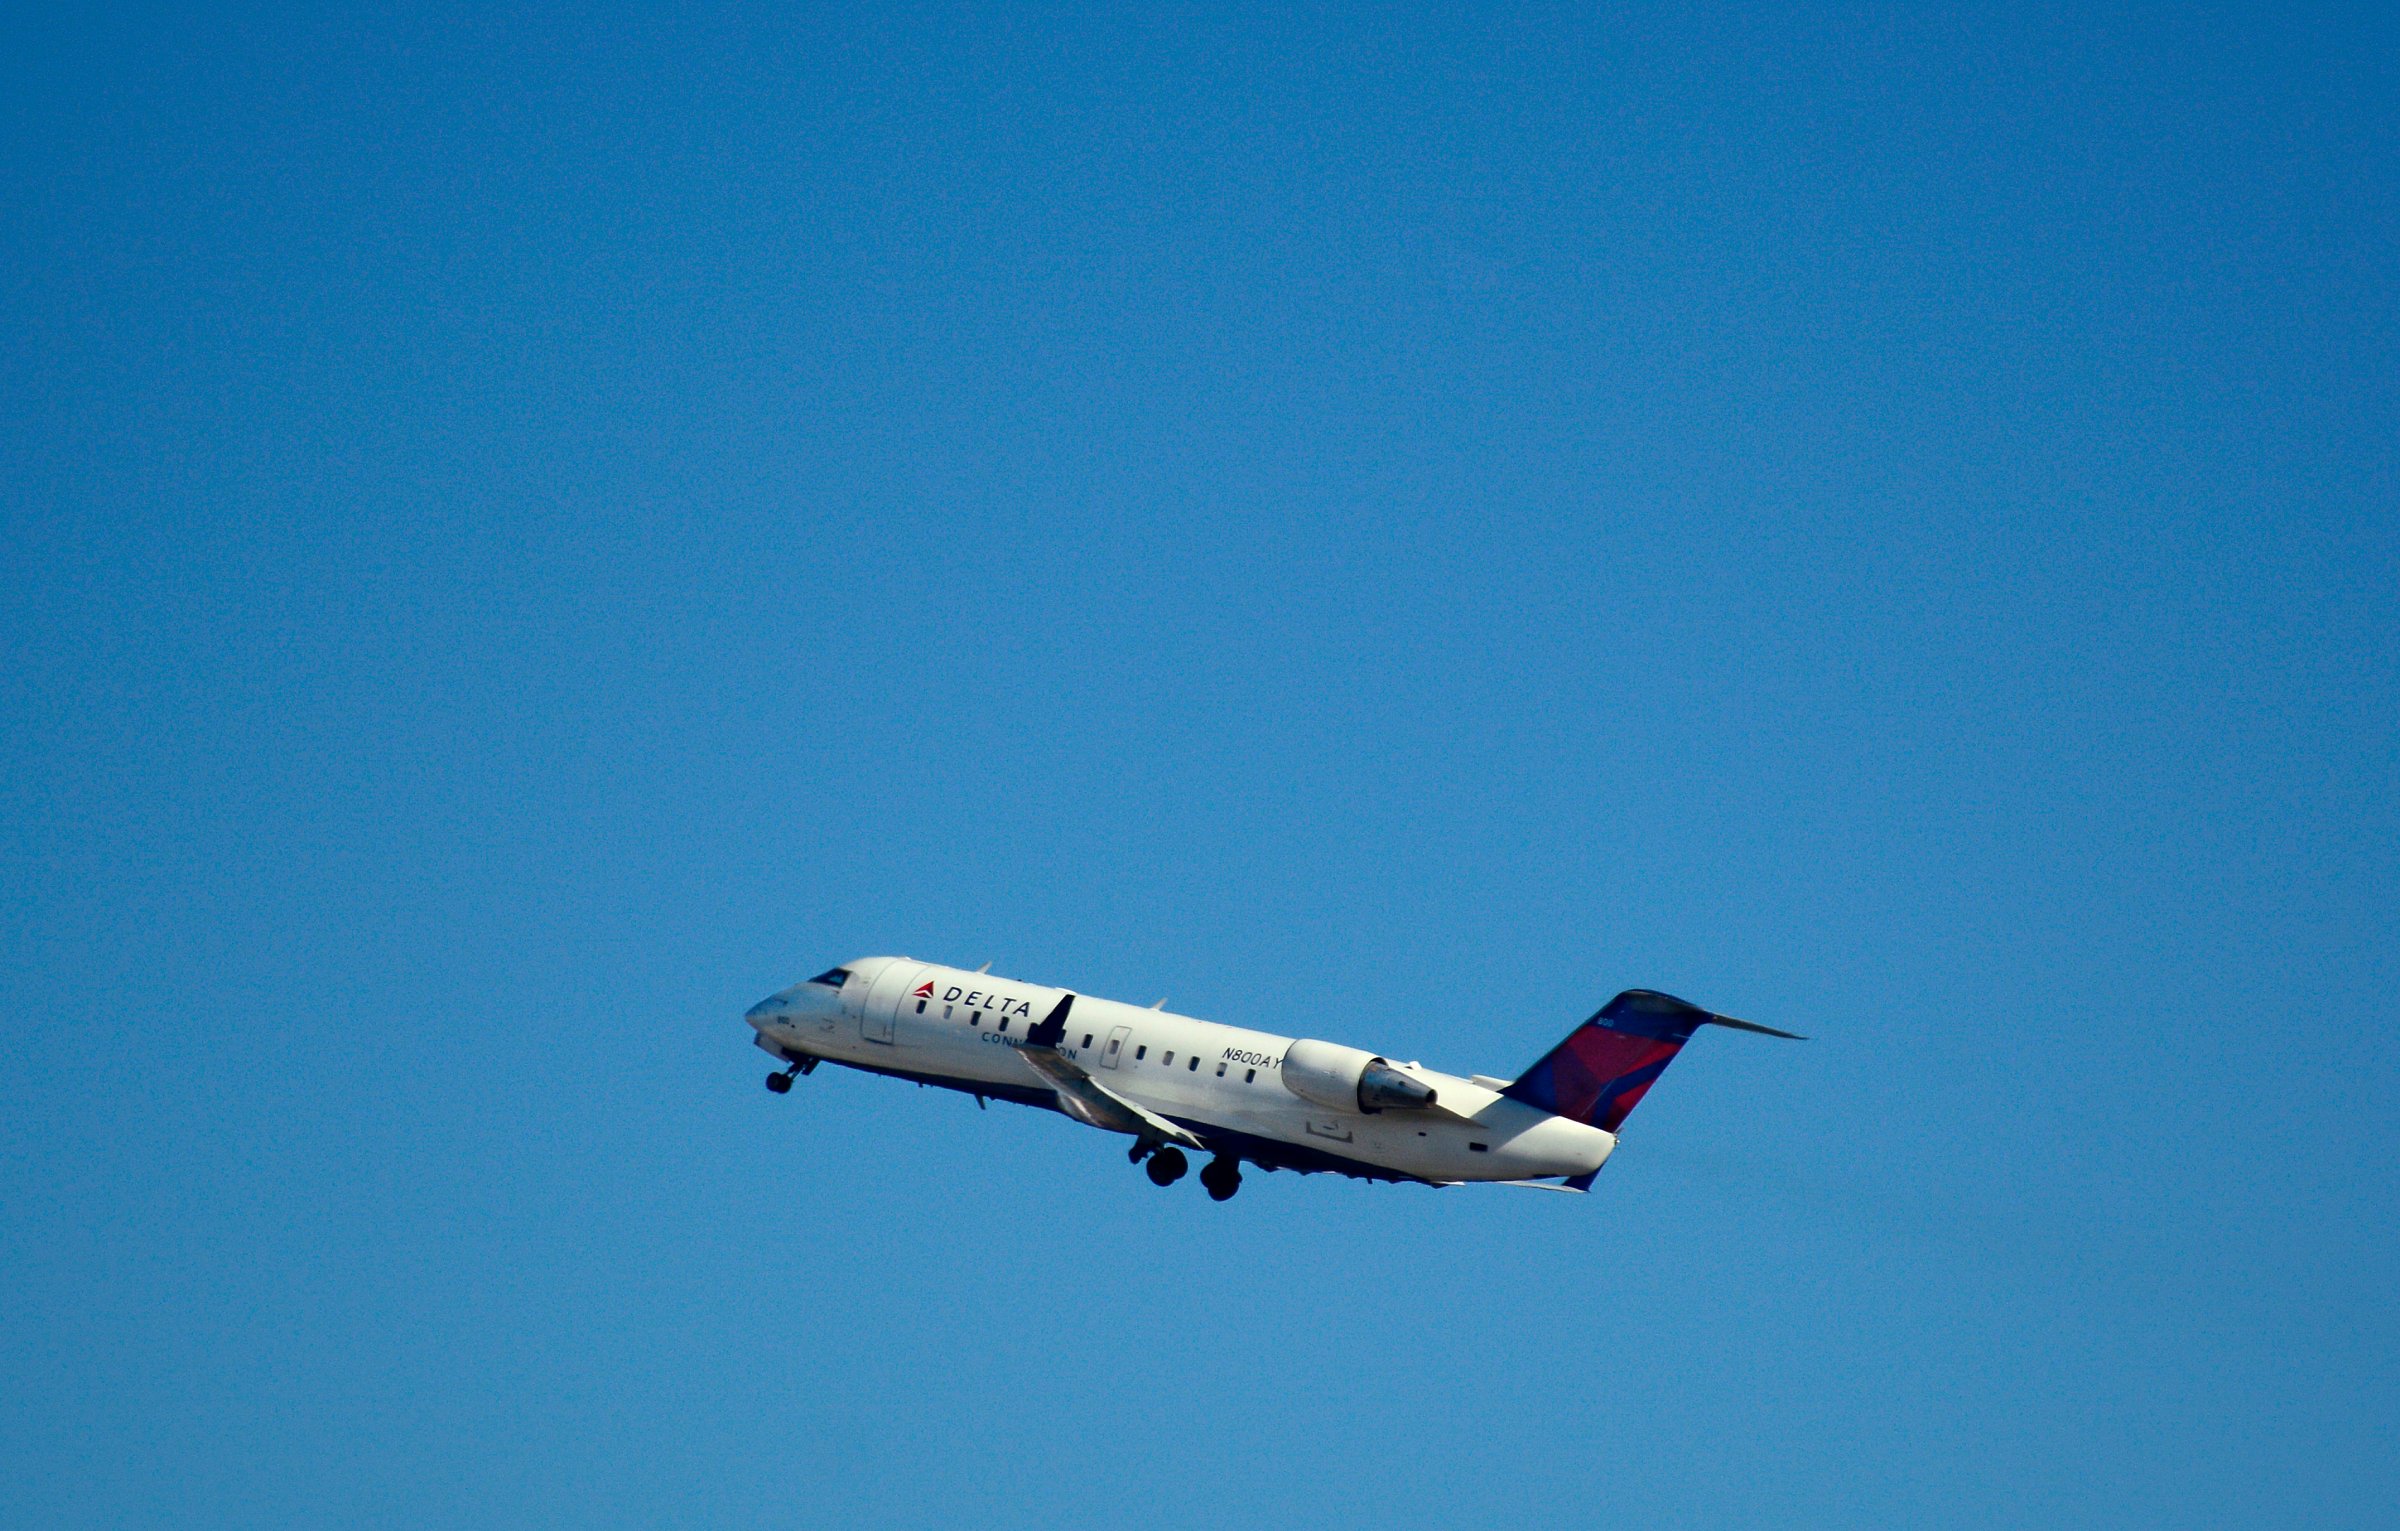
{"x": 832, "y": 978}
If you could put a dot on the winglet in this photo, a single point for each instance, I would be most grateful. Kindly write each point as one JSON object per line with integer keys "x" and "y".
{"x": 1052, "y": 1028}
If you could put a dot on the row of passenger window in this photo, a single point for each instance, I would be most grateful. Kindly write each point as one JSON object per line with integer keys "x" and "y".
{"x": 1166, "y": 1060}
{"x": 974, "y": 1019}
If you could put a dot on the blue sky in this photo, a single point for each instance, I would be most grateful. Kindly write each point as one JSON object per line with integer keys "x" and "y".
{"x": 523, "y": 534}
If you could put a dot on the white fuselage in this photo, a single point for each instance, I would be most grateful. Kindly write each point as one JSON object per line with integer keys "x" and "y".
{"x": 920, "y": 1020}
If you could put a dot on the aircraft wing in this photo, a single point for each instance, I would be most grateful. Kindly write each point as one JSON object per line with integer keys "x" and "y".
{"x": 1088, "y": 1100}
{"x": 1084, "y": 1098}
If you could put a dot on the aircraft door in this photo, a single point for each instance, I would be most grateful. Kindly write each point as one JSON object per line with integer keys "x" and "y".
{"x": 1114, "y": 1048}
{"x": 882, "y": 1008}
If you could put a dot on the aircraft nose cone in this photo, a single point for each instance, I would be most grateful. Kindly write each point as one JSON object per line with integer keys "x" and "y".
{"x": 765, "y": 1012}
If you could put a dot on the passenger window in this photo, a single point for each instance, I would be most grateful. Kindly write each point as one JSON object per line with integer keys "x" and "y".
{"x": 945, "y": 1012}
{"x": 1167, "y": 1061}
{"x": 1141, "y": 1052}
{"x": 1249, "y": 1076}
{"x": 1087, "y": 1039}
{"x": 920, "y": 1007}
{"x": 1220, "y": 1071}
{"x": 1004, "y": 1028}
{"x": 976, "y": 1019}
{"x": 1194, "y": 1065}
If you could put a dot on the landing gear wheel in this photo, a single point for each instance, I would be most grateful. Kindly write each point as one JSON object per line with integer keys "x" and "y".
{"x": 1167, "y": 1166}
{"x": 779, "y": 1083}
{"x": 1223, "y": 1177}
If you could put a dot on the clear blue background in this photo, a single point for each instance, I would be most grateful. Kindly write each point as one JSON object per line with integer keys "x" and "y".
{"x": 524, "y": 534}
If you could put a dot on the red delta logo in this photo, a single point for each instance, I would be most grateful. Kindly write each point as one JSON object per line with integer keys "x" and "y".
{"x": 923, "y": 990}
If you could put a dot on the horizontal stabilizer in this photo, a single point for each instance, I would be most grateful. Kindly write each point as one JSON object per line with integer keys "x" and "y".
{"x": 1764, "y": 1031}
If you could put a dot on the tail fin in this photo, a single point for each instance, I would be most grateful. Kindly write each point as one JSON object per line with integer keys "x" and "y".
{"x": 1598, "y": 1074}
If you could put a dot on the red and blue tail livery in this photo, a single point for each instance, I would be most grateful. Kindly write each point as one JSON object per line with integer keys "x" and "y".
{"x": 1600, "y": 1072}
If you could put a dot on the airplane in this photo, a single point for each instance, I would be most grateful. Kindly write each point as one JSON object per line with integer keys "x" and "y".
{"x": 1175, "y": 1083}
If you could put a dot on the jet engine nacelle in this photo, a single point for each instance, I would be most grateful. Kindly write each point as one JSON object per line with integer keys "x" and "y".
{"x": 1349, "y": 1079}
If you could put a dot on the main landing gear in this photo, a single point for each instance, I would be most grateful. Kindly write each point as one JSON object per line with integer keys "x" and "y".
{"x": 1167, "y": 1166}
{"x": 1222, "y": 1176}
{"x": 781, "y": 1083}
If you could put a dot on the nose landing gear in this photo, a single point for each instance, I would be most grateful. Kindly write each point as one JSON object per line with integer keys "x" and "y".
{"x": 781, "y": 1083}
